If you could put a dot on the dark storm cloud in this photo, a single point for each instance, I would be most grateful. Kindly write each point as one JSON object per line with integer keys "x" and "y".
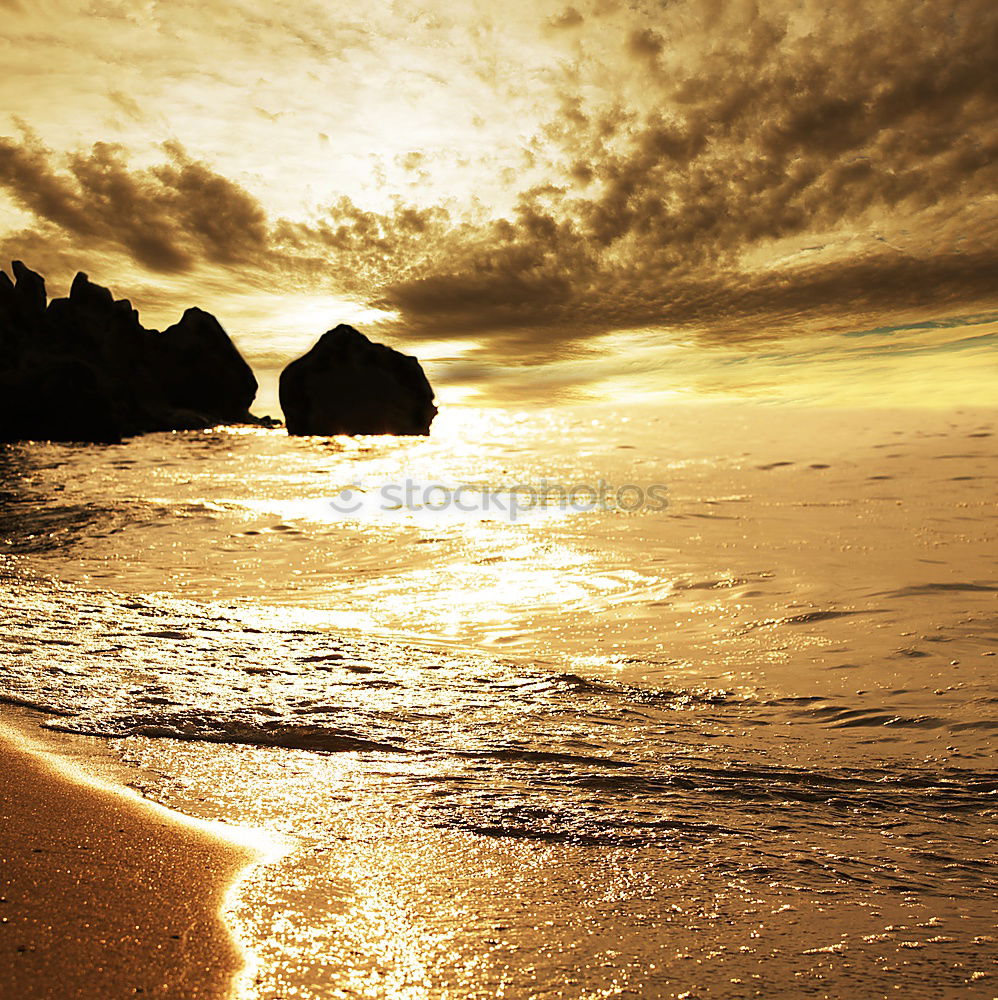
{"x": 27, "y": 175}
{"x": 356, "y": 251}
{"x": 178, "y": 215}
{"x": 167, "y": 218}
{"x": 535, "y": 318}
{"x": 230, "y": 225}
{"x": 885, "y": 120}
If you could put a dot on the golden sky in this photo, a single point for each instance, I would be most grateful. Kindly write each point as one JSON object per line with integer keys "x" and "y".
{"x": 531, "y": 197}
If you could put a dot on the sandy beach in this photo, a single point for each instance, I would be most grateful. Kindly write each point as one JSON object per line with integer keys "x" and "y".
{"x": 102, "y": 895}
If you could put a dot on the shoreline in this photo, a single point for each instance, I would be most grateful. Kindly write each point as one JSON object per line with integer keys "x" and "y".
{"x": 103, "y": 893}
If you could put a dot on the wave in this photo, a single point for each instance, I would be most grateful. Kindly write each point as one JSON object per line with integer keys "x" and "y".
{"x": 207, "y": 728}
{"x": 927, "y": 589}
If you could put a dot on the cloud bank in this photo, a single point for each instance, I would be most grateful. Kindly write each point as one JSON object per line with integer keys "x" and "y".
{"x": 723, "y": 173}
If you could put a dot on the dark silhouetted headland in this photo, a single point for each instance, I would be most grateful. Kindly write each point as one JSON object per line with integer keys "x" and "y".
{"x": 84, "y": 369}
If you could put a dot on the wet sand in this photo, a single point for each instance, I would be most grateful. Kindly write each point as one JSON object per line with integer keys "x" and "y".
{"x": 104, "y": 896}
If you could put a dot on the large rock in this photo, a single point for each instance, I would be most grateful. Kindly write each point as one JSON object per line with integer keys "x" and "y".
{"x": 347, "y": 385}
{"x": 84, "y": 369}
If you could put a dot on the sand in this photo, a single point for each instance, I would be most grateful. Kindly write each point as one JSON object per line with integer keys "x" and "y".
{"x": 104, "y": 896}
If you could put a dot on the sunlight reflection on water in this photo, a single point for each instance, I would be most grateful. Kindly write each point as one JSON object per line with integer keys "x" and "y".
{"x": 586, "y": 753}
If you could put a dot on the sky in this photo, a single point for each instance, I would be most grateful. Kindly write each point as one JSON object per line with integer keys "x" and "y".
{"x": 539, "y": 200}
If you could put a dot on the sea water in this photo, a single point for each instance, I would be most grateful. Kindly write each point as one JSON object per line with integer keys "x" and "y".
{"x": 688, "y": 700}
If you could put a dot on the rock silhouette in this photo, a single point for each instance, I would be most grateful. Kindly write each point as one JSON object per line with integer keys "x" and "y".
{"x": 348, "y": 385}
{"x": 84, "y": 369}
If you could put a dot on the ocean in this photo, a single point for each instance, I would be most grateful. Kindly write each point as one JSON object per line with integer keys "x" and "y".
{"x": 672, "y": 700}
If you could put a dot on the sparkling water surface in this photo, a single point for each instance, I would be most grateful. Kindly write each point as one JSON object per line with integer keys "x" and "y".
{"x": 735, "y": 744}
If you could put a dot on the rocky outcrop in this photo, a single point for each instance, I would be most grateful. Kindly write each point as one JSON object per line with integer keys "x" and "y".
{"x": 84, "y": 369}
{"x": 347, "y": 385}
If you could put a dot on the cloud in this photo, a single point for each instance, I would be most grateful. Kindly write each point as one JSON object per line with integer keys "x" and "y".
{"x": 568, "y": 18}
{"x": 168, "y": 217}
{"x": 731, "y": 172}
{"x": 27, "y": 175}
{"x": 645, "y": 43}
{"x": 885, "y": 124}
{"x": 127, "y": 104}
{"x": 228, "y": 223}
